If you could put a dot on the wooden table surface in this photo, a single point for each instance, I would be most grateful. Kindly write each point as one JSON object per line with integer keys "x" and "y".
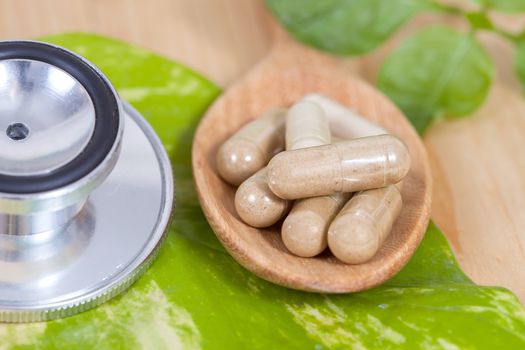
{"x": 478, "y": 163}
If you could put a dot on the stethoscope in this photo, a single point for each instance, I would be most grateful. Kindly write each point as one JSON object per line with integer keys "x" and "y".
{"x": 86, "y": 187}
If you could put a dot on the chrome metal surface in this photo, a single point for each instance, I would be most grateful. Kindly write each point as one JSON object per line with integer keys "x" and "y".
{"x": 46, "y": 117}
{"x": 104, "y": 249}
{"x": 38, "y": 222}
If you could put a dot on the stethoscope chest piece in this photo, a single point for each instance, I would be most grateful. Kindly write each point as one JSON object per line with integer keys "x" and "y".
{"x": 86, "y": 188}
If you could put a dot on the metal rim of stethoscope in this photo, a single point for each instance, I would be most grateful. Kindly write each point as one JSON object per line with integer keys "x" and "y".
{"x": 56, "y": 224}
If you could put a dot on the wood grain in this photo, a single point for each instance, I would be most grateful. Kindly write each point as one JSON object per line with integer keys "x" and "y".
{"x": 220, "y": 38}
{"x": 224, "y": 38}
{"x": 479, "y": 170}
{"x": 479, "y": 165}
{"x": 289, "y": 72}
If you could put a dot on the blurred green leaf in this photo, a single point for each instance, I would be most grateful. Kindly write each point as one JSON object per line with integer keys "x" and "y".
{"x": 511, "y": 6}
{"x": 479, "y": 20}
{"x": 519, "y": 61}
{"x": 437, "y": 71}
{"x": 344, "y": 26}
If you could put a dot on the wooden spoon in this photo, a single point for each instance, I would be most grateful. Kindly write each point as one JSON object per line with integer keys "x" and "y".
{"x": 283, "y": 77}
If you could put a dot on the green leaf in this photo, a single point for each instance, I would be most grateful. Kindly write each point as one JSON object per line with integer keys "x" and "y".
{"x": 196, "y": 296}
{"x": 511, "y": 6}
{"x": 519, "y": 61}
{"x": 437, "y": 71}
{"x": 479, "y": 20}
{"x": 344, "y": 26}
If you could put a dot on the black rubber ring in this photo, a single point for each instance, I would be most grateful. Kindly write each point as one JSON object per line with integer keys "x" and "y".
{"x": 106, "y": 114}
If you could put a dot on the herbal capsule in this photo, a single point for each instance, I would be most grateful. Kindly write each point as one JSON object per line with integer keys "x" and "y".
{"x": 350, "y": 166}
{"x": 344, "y": 122}
{"x": 359, "y": 230}
{"x": 306, "y": 126}
{"x": 305, "y": 228}
{"x": 250, "y": 148}
{"x": 256, "y": 204}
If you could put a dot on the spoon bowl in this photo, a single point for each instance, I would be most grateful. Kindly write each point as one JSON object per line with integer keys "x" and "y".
{"x": 289, "y": 72}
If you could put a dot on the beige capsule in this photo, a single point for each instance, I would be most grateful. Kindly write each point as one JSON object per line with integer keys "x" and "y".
{"x": 250, "y": 148}
{"x": 256, "y": 204}
{"x": 306, "y": 126}
{"x": 359, "y": 230}
{"x": 350, "y": 166}
{"x": 344, "y": 122}
{"x": 305, "y": 229}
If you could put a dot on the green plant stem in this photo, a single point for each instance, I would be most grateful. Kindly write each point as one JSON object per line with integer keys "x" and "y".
{"x": 454, "y": 10}
{"x": 446, "y": 8}
{"x": 509, "y": 36}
